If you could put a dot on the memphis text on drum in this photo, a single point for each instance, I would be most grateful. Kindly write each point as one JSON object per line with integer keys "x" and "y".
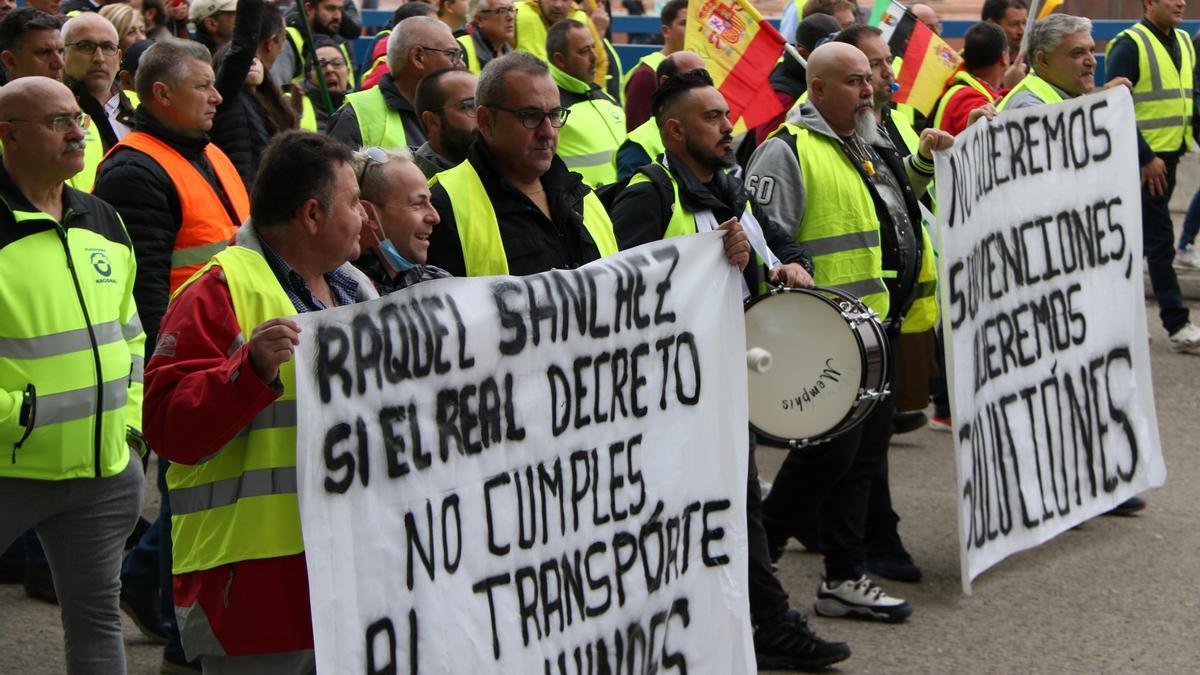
{"x": 1044, "y": 142}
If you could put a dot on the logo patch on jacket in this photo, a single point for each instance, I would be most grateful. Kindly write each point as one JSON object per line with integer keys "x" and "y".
{"x": 98, "y": 257}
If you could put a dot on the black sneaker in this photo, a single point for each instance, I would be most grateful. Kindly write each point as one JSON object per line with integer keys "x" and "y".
{"x": 1128, "y": 507}
{"x": 144, "y": 612}
{"x": 789, "y": 644}
{"x": 895, "y": 565}
{"x": 905, "y": 422}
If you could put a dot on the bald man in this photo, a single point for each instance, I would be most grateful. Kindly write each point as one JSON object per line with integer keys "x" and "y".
{"x": 844, "y": 192}
{"x": 74, "y": 476}
{"x": 643, "y": 145}
{"x": 90, "y": 65}
{"x": 928, "y": 16}
{"x": 386, "y": 115}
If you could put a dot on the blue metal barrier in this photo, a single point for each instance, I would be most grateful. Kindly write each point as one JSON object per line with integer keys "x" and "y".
{"x": 643, "y": 25}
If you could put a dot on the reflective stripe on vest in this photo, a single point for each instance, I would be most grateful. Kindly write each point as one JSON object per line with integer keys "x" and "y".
{"x": 241, "y": 504}
{"x": 479, "y": 231}
{"x": 588, "y": 142}
{"x": 962, "y": 80}
{"x": 839, "y": 217}
{"x": 378, "y": 124}
{"x": 206, "y": 228}
{"x": 1162, "y": 96}
{"x": 1035, "y": 85}
{"x": 71, "y": 332}
{"x": 647, "y": 137}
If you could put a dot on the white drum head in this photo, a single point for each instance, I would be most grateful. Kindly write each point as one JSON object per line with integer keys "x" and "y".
{"x": 816, "y": 370}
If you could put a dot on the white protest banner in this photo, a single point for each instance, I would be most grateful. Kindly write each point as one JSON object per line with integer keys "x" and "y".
{"x": 1042, "y": 304}
{"x": 542, "y": 474}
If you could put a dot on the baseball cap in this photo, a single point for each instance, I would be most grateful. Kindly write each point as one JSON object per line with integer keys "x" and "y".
{"x": 202, "y": 9}
{"x": 133, "y": 54}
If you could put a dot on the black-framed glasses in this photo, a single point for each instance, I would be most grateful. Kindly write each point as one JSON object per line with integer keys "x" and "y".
{"x": 531, "y": 118}
{"x": 374, "y": 155}
{"x": 58, "y": 123}
{"x": 455, "y": 55}
{"x": 502, "y": 11}
{"x": 336, "y": 63}
{"x": 89, "y": 47}
{"x": 466, "y": 106}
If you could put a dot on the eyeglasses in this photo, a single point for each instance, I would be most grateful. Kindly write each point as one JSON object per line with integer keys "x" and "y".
{"x": 89, "y": 47}
{"x": 465, "y": 106}
{"x": 375, "y": 155}
{"x": 336, "y": 63}
{"x": 502, "y": 11}
{"x": 58, "y": 124}
{"x": 455, "y": 55}
{"x": 531, "y": 118}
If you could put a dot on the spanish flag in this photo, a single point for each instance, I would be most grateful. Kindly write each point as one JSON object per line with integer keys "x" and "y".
{"x": 928, "y": 61}
{"x": 740, "y": 49}
{"x": 1049, "y": 7}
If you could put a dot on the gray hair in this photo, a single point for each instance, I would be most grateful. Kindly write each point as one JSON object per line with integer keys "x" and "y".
{"x": 166, "y": 61}
{"x": 374, "y": 185}
{"x": 1048, "y": 33}
{"x": 407, "y": 34}
{"x": 490, "y": 90}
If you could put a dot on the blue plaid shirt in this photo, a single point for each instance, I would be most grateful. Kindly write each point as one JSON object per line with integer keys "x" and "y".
{"x": 342, "y": 285}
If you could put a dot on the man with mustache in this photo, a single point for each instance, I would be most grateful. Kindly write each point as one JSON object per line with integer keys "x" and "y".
{"x": 689, "y": 190}
{"x": 446, "y": 104}
{"x": 73, "y": 342}
{"x": 844, "y": 192}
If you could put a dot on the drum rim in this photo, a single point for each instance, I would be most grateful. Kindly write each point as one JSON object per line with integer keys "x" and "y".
{"x": 837, "y": 429}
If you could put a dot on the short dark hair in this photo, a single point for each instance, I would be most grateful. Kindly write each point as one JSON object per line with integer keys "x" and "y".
{"x": 271, "y": 23}
{"x": 815, "y": 28}
{"x": 983, "y": 45}
{"x": 430, "y": 94}
{"x": 994, "y": 10}
{"x": 19, "y": 22}
{"x": 671, "y": 10}
{"x": 675, "y": 88}
{"x": 408, "y": 10}
{"x": 166, "y": 61}
{"x": 556, "y": 37}
{"x": 856, "y": 34}
{"x": 490, "y": 91}
{"x": 827, "y": 7}
{"x": 297, "y": 166}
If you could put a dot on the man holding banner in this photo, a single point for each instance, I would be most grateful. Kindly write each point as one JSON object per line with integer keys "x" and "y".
{"x": 849, "y": 198}
{"x": 220, "y": 404}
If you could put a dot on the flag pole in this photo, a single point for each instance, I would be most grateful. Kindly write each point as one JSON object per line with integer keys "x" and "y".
{"x": 1034, "y": 6}
{"x": 791, "y": 50}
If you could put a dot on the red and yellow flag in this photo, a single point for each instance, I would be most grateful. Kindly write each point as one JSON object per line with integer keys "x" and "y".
{"x": 928, "y": 61}
{"x": 740, "y": 49}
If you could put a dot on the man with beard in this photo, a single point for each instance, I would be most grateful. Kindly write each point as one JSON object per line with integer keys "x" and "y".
{"x": 513, "y": 207}
{"x": 214, "y": 22}
{"x": 325, "y": 17}
{"x": 694, "y": 119}
{"x": 844, "y": 192}
{"x": 644, "y": 143}
{"x": 446, "y": 104}
{"x": 597, "y": 127}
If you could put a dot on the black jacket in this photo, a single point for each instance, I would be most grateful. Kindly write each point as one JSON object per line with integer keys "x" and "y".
{"x": 144, "y": 195}
{"x": 640, "y": 215}
{"x": 313, "y": 92}
{"x": 532, "y": 242}
{"x": 238, "y": 127}
{"x": 344, "y": 124}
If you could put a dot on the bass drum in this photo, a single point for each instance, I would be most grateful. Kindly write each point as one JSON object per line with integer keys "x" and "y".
{"x": 829, "y": 365}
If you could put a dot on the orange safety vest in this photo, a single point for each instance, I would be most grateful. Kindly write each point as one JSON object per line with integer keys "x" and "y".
{"x": 206, "y": 228}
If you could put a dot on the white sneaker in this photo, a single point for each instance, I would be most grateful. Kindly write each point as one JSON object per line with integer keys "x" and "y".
{"x": 1186, "y": 340}
{"x": 1187, "y": 258}
{"x": 860, "y": 598}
